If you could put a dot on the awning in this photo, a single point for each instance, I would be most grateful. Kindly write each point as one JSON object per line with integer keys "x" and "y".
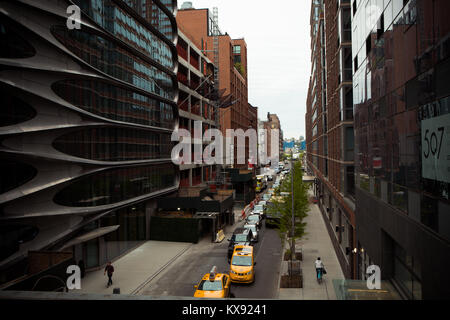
{"x": 90, "y": 235}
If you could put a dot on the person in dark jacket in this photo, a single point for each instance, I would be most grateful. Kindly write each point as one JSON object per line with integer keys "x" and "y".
{"x": 109, "y": 269}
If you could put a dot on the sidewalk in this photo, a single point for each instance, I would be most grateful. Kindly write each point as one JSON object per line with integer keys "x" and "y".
{"x": 135, "y": 269}
{"x": 316, "y": 243}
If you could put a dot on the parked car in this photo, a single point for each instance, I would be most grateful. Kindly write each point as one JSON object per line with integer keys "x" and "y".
{"x": 254, "y": 231}
{"x": 254, "y": 219}
{"x": 241, "y": 236}
{"x": 263, "y": 203}
{"x": 269, "y": 177}
{"x": 259, "y": 209}
{"x": 266, "y": 197}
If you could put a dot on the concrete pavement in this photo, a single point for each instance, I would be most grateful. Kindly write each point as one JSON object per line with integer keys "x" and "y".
{"x": 137, "y": 269}
{"x": 316, "y": 243}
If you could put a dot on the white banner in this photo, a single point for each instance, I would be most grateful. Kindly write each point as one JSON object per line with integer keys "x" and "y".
{"x": 436, "y": 148}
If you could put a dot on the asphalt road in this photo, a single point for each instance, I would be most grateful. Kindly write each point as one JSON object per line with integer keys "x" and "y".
{"x": 179, "y": 278}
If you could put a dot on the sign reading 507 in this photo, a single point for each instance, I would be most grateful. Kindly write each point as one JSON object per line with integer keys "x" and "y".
{"x": 433, "y": 143}
{"x": 436, "y": 148}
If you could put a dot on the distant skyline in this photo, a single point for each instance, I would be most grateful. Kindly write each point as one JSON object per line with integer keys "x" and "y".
{"x": 279, "y": 58}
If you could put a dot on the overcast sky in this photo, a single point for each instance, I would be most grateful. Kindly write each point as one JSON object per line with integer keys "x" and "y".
{"x": 277, "y": 34}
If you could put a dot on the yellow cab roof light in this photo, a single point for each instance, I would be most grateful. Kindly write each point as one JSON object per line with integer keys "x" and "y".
{"x": 212, "y": 273}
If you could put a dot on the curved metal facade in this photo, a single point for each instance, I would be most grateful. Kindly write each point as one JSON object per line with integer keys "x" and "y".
{"x": 88, "y": 117}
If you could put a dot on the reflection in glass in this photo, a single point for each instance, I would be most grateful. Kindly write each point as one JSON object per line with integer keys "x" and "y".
{"x": 116, "y": 185}
{"x": 115, "y": 144}
{"x": 13, "y": 109}
{"x": 14, "y": 174}
{"x": 153, "y": 14}
{"x": 112, "y": 59}
{"x": 12, "y": 45}
{"x": 115, "y": 20}
{"x": 116, "y": 103}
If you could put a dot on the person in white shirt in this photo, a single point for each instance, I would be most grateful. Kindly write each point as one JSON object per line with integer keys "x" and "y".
{"x": 319, "y": 265}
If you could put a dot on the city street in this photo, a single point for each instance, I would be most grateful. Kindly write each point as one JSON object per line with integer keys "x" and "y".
{"x": 179, "y": 278}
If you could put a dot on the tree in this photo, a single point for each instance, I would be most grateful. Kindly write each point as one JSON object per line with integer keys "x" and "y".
{"x": 239, "y": 67}
{"x": 282, "y": 207}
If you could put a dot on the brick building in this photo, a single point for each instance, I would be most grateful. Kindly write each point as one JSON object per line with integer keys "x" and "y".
{"x": 235, "y": 112}
{"x": 196, "y": 84}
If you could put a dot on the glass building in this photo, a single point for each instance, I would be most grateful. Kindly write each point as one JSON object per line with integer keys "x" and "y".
{"x": 401, "y": 96}
{"x": 85, "y": 126}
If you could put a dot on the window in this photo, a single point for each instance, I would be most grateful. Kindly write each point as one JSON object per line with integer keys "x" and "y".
{"x": 115, "y": 103}
{"x": 115, "y": 144}
{"x": 116, "y": 185}
{"x": 207, "y": 285}
{"x": 11, "y": 236}
{"x": 429, "y": 212}
{"x": 111, "y": 58}
{"x": 368, "y": 44}
{"x": 14, "y": 174}
{"x": 12, "y": 45}
{"x": 237, "y": 49}
{"x": 349, "y": 144}
{"x": 14, "y": 110}
{"x": 407, "y": 273}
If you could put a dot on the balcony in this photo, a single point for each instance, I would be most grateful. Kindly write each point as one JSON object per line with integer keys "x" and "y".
{"x": 194, "y": 61}
{"x": 182, "y": 51}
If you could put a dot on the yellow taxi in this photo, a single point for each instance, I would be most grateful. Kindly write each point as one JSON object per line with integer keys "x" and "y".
{"x": 242, "y": 265}
{"x": 213, "y": 285}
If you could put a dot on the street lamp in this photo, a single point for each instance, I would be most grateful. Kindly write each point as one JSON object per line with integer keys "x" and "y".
{"x": 293, "y": 216}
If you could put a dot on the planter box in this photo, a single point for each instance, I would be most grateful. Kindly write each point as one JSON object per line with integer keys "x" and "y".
{"x": 298, "y": 256}
{"x": 291, "y": 281}
{"x": 295, "y": 265}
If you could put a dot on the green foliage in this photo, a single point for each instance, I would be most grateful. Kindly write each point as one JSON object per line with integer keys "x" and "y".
{"x": 239, "y": 67}
{"x": 283, "y": 206}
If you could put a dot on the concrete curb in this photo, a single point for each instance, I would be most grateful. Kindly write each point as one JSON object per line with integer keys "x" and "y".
{"x": 281, "y": 267}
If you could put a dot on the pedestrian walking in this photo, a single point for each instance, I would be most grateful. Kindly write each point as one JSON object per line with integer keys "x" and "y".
{"x": 110, "y": 270}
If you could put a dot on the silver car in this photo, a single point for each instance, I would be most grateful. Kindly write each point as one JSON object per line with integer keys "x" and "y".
{"x": 259, "y": 209}
{"x": 255, "y": 235}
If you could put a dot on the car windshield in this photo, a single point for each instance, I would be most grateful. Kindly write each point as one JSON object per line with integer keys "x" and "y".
{"x": 243, "y": 261}
{"x": 259, "y": 207}
{"x": 207, "y": 285}
{"x": 240, "y": 238}
{"x": 253, "y": 218}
